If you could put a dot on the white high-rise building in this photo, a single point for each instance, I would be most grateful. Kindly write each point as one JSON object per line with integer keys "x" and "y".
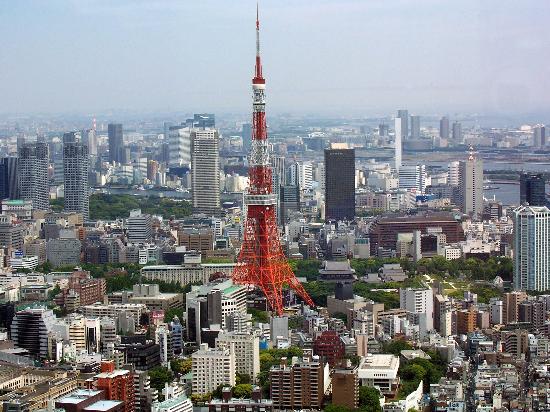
{"x": 446, "y": 323}
{"x": 532, "y": 248}
{"x": 418, "y": 301}
{"x": 398, "y": 143}
{"x": 413, "y": 177}
{"x": 301, "y": 174}
{"x": 247, "y": 351}
{"x": 497, "y": 312}
{"x": 205, "y": 171}
{"x": 453, "y": 173}
{"x": 179, "y": 141}
{"x": 139, "y": 227}
{"x": 212, "y": 368}
{"x": 471, "y": 185}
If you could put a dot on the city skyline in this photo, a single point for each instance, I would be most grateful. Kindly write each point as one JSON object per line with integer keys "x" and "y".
{"x": 165, "y": 56}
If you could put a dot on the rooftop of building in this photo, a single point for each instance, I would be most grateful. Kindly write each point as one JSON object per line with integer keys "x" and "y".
{"x": 337, "y": 266}
{"x": 423, "y": 216}
{"x": 103, "y": 405}
{"x": 78, "y": 396}
{"x": 379, "y": 361}
{"x": 414, "y": 353}
{"x": 113, "y": 374}
{"x": 226, "y": 286}
{"x": 172, "y": 402}
{"x": 188, "y": 265}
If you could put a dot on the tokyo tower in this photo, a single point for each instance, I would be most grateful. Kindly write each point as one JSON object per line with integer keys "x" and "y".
{"x": 261, "y": 261}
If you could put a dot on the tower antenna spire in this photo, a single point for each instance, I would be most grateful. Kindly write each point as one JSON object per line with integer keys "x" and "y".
{"x": 258, "y": 71}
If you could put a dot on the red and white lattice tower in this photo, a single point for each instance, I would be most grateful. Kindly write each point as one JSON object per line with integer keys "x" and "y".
{"x": 261, "y": 261}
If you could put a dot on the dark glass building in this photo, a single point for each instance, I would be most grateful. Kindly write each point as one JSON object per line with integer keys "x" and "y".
{"x": 289, "y": 201}
{"x": 532, "y": 189}
{"x": 202, "y": 121}
{"x": 116, "y": 142}
{"x": 9, "y": 178}
{"x": 339, "y": 184}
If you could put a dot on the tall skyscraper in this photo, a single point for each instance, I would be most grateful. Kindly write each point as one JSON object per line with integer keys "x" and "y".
{"x": 398, "y": 144}
{"x": 532, "y": 248}
{"x": 444, "y": 127}
{"x": 278, "y": 179}
{"x": 457, "y": 131}
{"x": 9, "y": 178}
{"x": 116, "y": 142}
{"x": 339, "y": 184}
{"x": 205, "y": 170}
{"x": 75, "y": 176}
{"x": 301, "y": 174}
{"x": 247, "y": 137}
{"x": 413, "y": 177}
{"x": 33, "y": 176}
{"x": 471, "y": 185}
{"x": 539, "y": 136}
{"x": 89, "y": 139}
{"x": 453, "y": 173}
{"x": 289, "y": 201}
{"x": 179, "y": 140}
{"x": 532, "y": 190}
{"x": 415, "y": 127}
{"x": 404, "y": 116}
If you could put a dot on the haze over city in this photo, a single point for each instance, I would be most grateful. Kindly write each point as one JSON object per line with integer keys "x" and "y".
{"x": 338, "y": 57}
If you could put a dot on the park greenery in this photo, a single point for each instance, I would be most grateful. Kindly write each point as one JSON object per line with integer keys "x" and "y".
{"x": 114, "y": 206}
{"x": 429, "y": 371}
{"x": 471, "y": 268}
{"x": 456, "y": 277}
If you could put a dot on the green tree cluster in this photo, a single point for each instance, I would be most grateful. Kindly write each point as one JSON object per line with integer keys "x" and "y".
{"x": 318, "y": 291}
{"x": 390, "y": 299}
{"x": 369, "y": 399}
{"x": 114, "y": 206}
{"x": 307, "y": 268}
{"x": 258, "y": 315}
{"x": 395, "y": 346}
{"x": 181, "y": 366}
{"x": 159, "y": 377}
{"x": 472, "y": 268}
{"x": 427, "y": 370}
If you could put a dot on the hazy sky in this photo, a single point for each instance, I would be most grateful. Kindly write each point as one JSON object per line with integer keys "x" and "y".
{"x": 328, "y": 56}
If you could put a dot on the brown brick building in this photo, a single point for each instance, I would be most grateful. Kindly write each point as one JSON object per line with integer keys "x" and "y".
{"x": 299, "y": 386}
{"x": 201, "y": 240}
{"x": 466, "y": 321}
{"x": 383, "y": 232}
{"x": 81, "y": 284}
{"x": 345, "y": 388}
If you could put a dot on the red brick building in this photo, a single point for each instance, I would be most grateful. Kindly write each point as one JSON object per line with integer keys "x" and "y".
{"x": 118, "y": 384}
{"x": 88, "y": 289}
{"x": 329, "y": 347}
